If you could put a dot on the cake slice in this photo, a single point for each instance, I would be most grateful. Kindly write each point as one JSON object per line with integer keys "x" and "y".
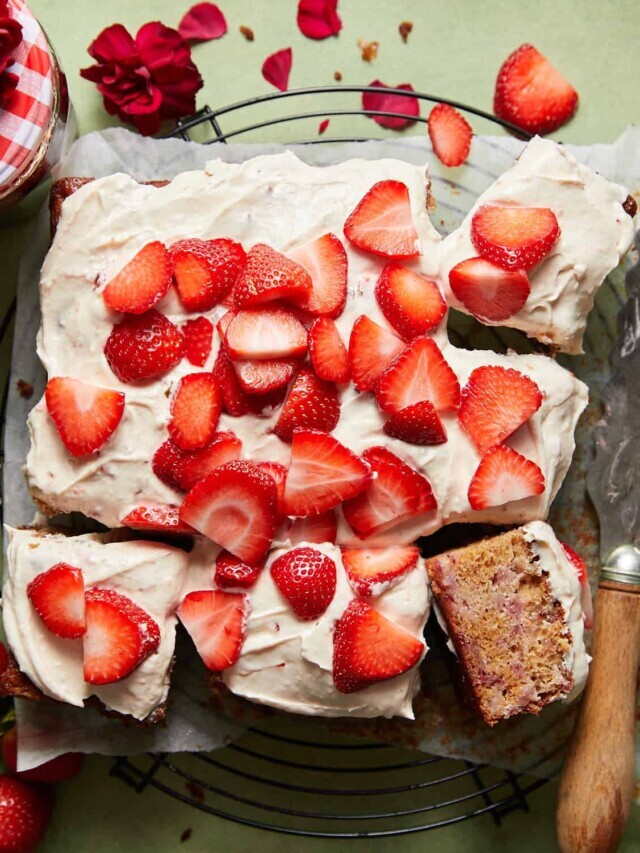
{"x": 91, "y": 620}
{"x": 511, "y": 606}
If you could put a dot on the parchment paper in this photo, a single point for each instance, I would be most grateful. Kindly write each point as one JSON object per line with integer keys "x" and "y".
{"x": 442, "y": 725}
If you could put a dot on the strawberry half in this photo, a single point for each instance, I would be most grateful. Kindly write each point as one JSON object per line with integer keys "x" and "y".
{"x": 144, "y": 346}
{"x": 314, "y": 528}
{"x": 181, "y": 469}
{"x": 195, "y": 411}
{"x": 372, "y": 571}
{"x": 58, "y": 598}
{"x": 84, "y": 415}
{"x": 503, "y": 476}
{"x": 487, "y": 291}
{"x": 234, "y": 400}
{"x": 368, "y": 648}
{"x": 235, "y": 573}
{"x": 262, "y": 377}
{"x": 217, "y": 623}
{"x": 326, "y": 262}
{"x": 279, "y": 474}
{"x": 417, "y": 424}
{"x": 312, "y": 404}
{"x": 396, "y": 493}
{"x": 198, "y": 335}
{"x": 307, "y": 579}
{"x": 322, "y": 474}
{"x": 496, "y": 401}
{"x": 142, "y": 282}
{"x": 267, "y": 333}
{"x": 269, "y": 275}
{"x": 371, "y": 350}
{"x": 514, "y": 237}
{"x": 236, "y": 506}
{"x": 119, "y": 636}
{"x": 206, "y": 270}
{"x": 412, "y": 303}
{"x": 531, "y": 94}
{"x": 419, "y": 373}
{"x": 159, "y": 518}
{"x": 450, "y": 134}
{"x": 382, "y": 222}
{"x": 583, "y": 576}
{"x": 327, "y": 352}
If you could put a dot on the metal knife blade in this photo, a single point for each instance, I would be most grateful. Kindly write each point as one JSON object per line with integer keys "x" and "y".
{"x": 613, "y": 481}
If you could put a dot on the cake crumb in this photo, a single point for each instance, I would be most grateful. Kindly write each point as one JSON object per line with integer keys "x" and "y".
{"x": 196, "y": 791}
{"x": 404, "y": 29}
{"x": 186, "y": 835}
{"x": 337, "y": 76}
{"x": 368, "y": 49}
{"x": 25, "y": 389}
{"x": 247, "y": 32}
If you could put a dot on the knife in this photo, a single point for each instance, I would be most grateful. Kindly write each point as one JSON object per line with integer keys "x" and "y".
{"x": 596, "y": 785}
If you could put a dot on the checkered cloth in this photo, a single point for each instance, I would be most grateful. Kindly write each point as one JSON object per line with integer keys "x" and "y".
{"x": 25, "y": 118}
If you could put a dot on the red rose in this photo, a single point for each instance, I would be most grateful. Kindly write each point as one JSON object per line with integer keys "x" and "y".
{"x": 145, "y": 80}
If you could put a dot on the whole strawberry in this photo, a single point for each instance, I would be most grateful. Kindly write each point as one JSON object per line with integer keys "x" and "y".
{"x": 307, "y": 579}
{"x": 25, "y": 810}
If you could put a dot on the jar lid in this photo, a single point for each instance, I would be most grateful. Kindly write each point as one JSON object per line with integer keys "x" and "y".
{"x": 27, "y": 114}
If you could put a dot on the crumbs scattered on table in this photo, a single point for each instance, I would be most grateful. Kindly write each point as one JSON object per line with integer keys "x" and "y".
{"x": 368, "y": 49}
{"x": 247, "y": 32}
{"x": 186, "y": 835}
{"x": 25, "y": 389}
{"x": 195, "y": 790}
{"x": 404, "y": 29}
{"x": 337, "y": 75}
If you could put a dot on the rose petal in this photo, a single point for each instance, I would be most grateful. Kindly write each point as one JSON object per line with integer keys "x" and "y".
{"x": 114, "y": 44}
{"x": 318, "y": 19}
{"x": 324, "y": 124}
{"x": 391, "y": 103}
{"x": 203, "y": 22}
{"x": 277, "y": 67}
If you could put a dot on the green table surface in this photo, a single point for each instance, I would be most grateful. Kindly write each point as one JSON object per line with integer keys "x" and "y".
{"x": 454, "y": 50}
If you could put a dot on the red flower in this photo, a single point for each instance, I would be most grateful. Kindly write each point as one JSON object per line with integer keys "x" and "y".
{"x": 145, "y": 80}
{"x": 10, "y": 38}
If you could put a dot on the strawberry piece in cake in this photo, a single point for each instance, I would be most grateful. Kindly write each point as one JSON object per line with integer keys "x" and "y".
{"x": 314, "y": 528}
{"x": 235, "y": 401}
{"x": 278, "y": 473}
{"x": 450, "y": 134}
{"x": 372, "y": 571}
{"x": 57, "y": 595}
{"x": 514, "y": 237}
{"x": 198, "y": 335}
{"x": 417, "y": 424}
{"x": 502, "y": 476}
{"x": 382, "y": 222}
{"x": 144, "y": 346}
{"x": 327, "y": 352}
{"x": 181, "y": 469}
{"x": 206, "y": 271}
{"x": 216, "y": 622}
{"x": 411, "y": 302}
{"x": 195, "y": 410}
{"x": 326, "y": 262}
{"x": 583, "y": 577}
{"x": 488, "y": 291}
{"x": 85, "y": 416}
{"x": 233, "y": 573}
{"x": 157, "y": 518}
{"x": 269, "y": 275}
{"x": 419, "y": 373}
{"x": 264, "y": 377}
{"x": 142, "y": 282}
{"x": 265, "y": 333}
{"x": 312, "y": 403}
{"x": 307, "y": 579}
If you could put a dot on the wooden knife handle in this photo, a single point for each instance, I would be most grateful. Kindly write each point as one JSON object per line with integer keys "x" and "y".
{"x": 598, "y": 775}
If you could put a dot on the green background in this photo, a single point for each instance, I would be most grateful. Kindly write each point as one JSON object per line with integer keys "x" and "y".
{"x": 454, "y": 50}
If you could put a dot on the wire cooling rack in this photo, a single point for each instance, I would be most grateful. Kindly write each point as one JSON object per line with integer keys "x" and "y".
{"x": 299, "y": 779}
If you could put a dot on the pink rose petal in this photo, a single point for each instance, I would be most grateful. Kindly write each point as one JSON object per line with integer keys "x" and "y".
{"x": 277, "y": 67}
{"x": 203, "y": 22}
{"x": 391, "y": 103}
{"x": 324, "y": 124}
{"x": 318, "y": 19}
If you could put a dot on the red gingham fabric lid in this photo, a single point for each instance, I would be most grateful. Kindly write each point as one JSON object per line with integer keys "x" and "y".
{"x": 27, "y": 115}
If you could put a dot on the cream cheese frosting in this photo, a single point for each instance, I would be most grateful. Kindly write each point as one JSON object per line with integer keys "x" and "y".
{"x": 149, "y": 573}
{"x": 595, "y": 233}
{"x": 279, "y": 200}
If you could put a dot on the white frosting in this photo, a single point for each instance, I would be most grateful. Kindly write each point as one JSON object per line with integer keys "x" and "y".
{"x": 287, "y": 663}
{"x": 595, "y": 234}
{"x": 148, "y": 573}
{"x": 282, "y": 201}
{"x": 565, "y": 586}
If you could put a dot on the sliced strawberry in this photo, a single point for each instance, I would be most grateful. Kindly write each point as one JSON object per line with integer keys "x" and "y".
{"x": 85, "y": 416}
{"x": 234, "y": 400}
{"x": 231, "y": 572}
{"x": 279, "y": 474}
{"x": 206, "y": 270}
{"x": 322, "y": 474}
{"x": 269, "y": 275}
{"x": 217, "y": 624}
{"x": 326, "y": 262}
{"x": 223, "y": 324}
{"x": 263, "y": 334}
{"x": 419, "y": 373}
{"x": 195, "y": 411}
{"x": 496, "y": 401}
{"x": 327, "y": 352}
{"x": 368, "y": 648}
{"x": 371, "y": 350}
{"x": 396, "y": 493}
{"x": 450, "y": 135}
{"x": 487, "y": 291}
{"x": 314, "y": 528}
{"x": 181, "y": 469}
{"x": 120, "y": 635}
{"x": 58, "y": 598}
{"x": 307, "y": 579}
{"x": 262, "y": 377}
{"x": 142, "y": 282}
{"x": 514, "y": 237}
{"x": 312, "y": 404}
{"x": 372, "y": 571}
{"x": 144, "y": 347}
{"x": 382, "y": 222}
{"x": 198, "y": 335}
{"x": 160, "y": 518}
{"x": 417, "y": 424}
{"x": 412, "y": 303}
{"x": 504, "y": 476}
{"x": 531, "y": 94}
{"x": 583, "y": 576}
{"x": 236, "y": 506}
